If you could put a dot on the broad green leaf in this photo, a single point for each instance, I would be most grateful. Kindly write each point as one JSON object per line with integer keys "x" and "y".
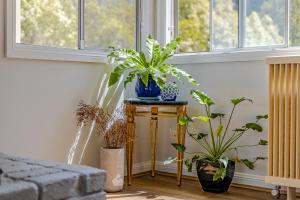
{"x": 195, "y": 158}
{"x": 121, "y": 55}
{"x": 179, "y": 147}
{"x": 248, "y": 163}
{"x": 258, "y": 117}
{"x": 200, "y": 136}
{"x": 153, "y": 46}
{"x": 239, "y": 130}
{"x": 145, "y": 78}
{"x": 178, "y": 72}
{"x": 188, "y": 163}
{"x": 202, "y": 98}
{"x": 263, "y": 142}
{"x": 153, "y": 49}
{"x": 184, "y": 120}
{"x": 114, "y": 78}
{"x": 261, "y": 158}
{"x": 160, "y": 82}
{"x": 169, "y": 50}
{"x": 130, "y": 77}
{"x": 117, "y": 73}
{"x": 202, "y": 118}
{"x": 142, "y": 59}
{"x": 219, "y": 130}
{"x": 215, "y": 115}
{"x": 254, "y": 126}
{"x": 219, "y": 174}
{"x": 240, "y": 100}
{"x": 170, "y": 160}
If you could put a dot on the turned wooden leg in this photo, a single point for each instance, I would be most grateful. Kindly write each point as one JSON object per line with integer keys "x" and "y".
{"x": 181, "y": 130}
{"x": 291, "y": 193}
{"x": 130, "y": 111}
{"x": 153, "y": 133}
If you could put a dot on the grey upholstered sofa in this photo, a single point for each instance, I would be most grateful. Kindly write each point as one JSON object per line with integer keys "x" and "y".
{"x": 25, "y": 179}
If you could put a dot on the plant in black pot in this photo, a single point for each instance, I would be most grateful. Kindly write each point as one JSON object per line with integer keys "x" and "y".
{"x": 214, "y": 167}
{"x": 150, "y": 68}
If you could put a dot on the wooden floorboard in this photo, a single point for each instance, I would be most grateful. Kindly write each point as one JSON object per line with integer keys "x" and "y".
{"x": 165, "y": 188}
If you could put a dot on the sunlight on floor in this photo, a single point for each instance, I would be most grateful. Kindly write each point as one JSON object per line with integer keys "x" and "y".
{"x": 140, "y": 195}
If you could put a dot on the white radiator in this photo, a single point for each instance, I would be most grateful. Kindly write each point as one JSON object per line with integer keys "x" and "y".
{"x": 284, "y": 123}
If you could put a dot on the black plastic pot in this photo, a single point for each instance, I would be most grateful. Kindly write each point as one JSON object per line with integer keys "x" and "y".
{"x": 206, "y": 172}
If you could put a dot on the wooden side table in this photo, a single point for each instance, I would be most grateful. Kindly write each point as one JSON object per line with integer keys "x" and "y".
{"x": 153, "y": 114}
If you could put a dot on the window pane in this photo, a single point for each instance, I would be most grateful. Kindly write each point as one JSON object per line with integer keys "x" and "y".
{"x": 49, "y": 23}
{"x": 110, "y": 23}
{"x": 225, "y": 24}
{"x": 193, "y": 25}
{"x": 295, "y": 22}
{"x": 264, "y": 22}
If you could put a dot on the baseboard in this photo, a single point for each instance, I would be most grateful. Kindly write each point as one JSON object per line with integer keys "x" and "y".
{"x": 239, "y": 178}
{"x": 141, "y": 167}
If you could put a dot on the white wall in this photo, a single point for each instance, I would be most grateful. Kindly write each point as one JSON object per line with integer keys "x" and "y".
{"x": 38, "y": 101}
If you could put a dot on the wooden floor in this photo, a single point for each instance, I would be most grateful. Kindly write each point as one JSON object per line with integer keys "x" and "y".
{"x": 165, "y": 188}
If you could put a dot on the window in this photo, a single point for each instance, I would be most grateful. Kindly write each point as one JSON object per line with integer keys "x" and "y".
{"x": 224, "y": 25}
{"x": 193, "y": 25}
{"x": 56, "y": 26}
{"x": 294, "y": 23}
{"x": 49, "y": 23}
{"x": 109, "y": 23}
{"x": 264, "y": 23}
{"x": 106, "y": 23}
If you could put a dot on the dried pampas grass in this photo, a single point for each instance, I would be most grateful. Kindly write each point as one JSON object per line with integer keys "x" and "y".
{"x": 112, "y": 125}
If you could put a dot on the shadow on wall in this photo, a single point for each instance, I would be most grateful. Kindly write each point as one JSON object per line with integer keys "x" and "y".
{"x": 86, "y": 145}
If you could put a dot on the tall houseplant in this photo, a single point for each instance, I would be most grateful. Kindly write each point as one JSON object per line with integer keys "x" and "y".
{"x": 214, "y": 167}
{"x": 150, "y": 68}
{"x": 112, "y": 126}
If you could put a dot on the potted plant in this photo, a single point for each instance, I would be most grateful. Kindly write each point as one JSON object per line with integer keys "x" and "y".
{"x": 214, "y": 167}
{"x": 112, "y": 126}
{"x": 150, "y": 68}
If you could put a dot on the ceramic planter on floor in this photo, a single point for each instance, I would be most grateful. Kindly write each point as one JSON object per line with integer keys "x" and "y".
{"x": 112, "y": 160}
{"x": 206, "y": 172}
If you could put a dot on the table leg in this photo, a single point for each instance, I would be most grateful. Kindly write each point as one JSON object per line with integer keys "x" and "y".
{"x": 130, "y": 111}
{"x": 181, "y": 130}
{"x": 153, "y": 133}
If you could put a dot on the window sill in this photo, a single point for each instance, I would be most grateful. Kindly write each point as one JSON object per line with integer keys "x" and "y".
{"x": 232, "y": 56}
{"x": 23, "y": 51}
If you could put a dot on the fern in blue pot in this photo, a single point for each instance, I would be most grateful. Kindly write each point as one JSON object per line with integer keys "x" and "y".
{"x": 150, "y": 68}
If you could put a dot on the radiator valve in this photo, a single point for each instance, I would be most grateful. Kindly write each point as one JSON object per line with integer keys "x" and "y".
{"x": 276, "y": 192}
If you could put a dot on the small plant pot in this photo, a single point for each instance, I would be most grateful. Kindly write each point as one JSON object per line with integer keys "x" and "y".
{"x": 206, "y": 171}
{"x": 151, "y": 91}
{"x": 169, "y": 92}
{"x": 112, "y": 160}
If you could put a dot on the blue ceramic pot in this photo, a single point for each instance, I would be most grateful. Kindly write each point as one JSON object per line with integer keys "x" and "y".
{"x": 152, "y": 90}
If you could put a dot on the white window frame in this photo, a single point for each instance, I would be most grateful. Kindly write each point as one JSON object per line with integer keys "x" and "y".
{"x": 26, "y": 51}
{"x": 259, "y": 53}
